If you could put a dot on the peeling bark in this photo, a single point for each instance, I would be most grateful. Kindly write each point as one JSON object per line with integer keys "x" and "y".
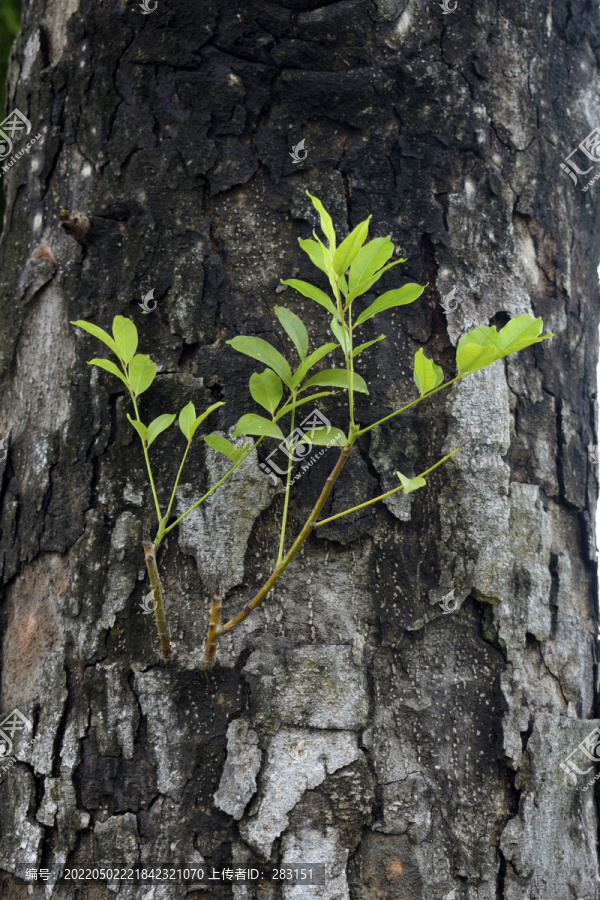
{"x": 350, "y": 720}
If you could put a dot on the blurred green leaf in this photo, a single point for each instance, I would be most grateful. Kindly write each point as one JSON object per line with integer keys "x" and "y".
{"x": 471, "y": 357}
{"x": 368, "y": 281}
{"x": 314, "y": 250}
{"x": 323, "y": 436}
{"x": 411, "y": 484}
{"x": 187, "y": 417}
{"x": 290, "y": 406}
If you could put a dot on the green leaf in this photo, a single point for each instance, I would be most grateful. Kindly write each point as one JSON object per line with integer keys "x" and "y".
{"x": 471, "y": 357}
{"x": 362, "y": 347}
{"x": 398, "y": 297}
{"x": 267, "y": 389}
{"x": 323, "y": 437}
{"x": 158, "y": 425}
{"x": 370, "y": 258}
{"x": 109, "y": 366}
{"x": 188, "y": 421}
{"x": 187, "y": 417}
{"x": 483, "y": 336}
{"x": 141, "y": 373}
{"x": 314, "y": 250}
{"x": 141, "y": 429}
{"x": 338, "y": 331}
{"x": 326, "y": 222}
{"x": 264, "y": 353}
{"x": 258, "y": 425}
{"x": 337, "y": 378}
{"x": 222, "y": 445}
{"x": 314, "y": 293}
{"x": 126, "y": 337}
{"x": 518, "y": 333}
{"x": 310, "y": 361}
{"x": 410, "y": 484}
{"x": 427, "y": 375}
{"x": 363, "y": 286}
{"x": 197, "y": 422}
{"x": 98, "y": 333}
{"x": 290, "y": 406}
{"x": 294, "y": 326}
{"x": 348, "y": 250}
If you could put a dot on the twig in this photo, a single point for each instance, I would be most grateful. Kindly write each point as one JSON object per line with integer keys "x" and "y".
{"x": 159, "y": 607}
{"x": 214, "y": 623}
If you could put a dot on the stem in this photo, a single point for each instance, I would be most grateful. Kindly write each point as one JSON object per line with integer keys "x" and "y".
{"x": 279, "y": 570}
{"x": 412, "y": 403}
{"x": 159, "y": 611}
{"x": 214, "y": 623}
{"x": 163, "y": 522}
{"x": 214, "y": 487}
{"x": 287, "y": 488}
{"x": 145, "y": 449}
{"x": 389, "y": 493}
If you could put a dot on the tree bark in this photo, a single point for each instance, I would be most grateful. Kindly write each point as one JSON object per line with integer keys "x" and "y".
{"x": 350, "y": 720}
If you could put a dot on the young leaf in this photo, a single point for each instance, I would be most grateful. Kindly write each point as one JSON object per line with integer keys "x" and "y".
{"x": 314, "y": 250}
{"x": 294, "y": 326}
{"x": 314, "y": 293}
{"x": 337, "y": 378}
{"x": 338, "y": 331}
{"x": 267, "y": 389}
{"x": 348, "y": 250}
{"x": 264, "y": 353}
{"x": 326, "y": 222}
{"x": 398, "y": 297}
{"x": 109, "y": 366}
{"x": 324, "y": 437}
{"x": 362, "y": 347}
{"x": 158, "y": 425}
{"x": 427, "y": 375}
{"x": 363, "y": 286}
{"x": 310, "y": 361}
{"x": 198, "y": 421}
{"x": 141, "y": 429}
{"x": 126, "y": 337}
{"x": 370, "y": 258}
{"x": 471, "y": 357}
{"x": 410, "y": 484}
{"x": 187, "y": 417}
{"x": 188, "y": 421}
{"x": 98, "y": 333}
{"x": 258, "y": 425}
{"x": 290, "y": 406}
{"x": 222, "y": 445}
{"x": 518, "y": 333}
{"x": 141, "y": 373}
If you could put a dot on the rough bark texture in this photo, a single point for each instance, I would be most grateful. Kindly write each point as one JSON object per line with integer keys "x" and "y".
{"x": 349, "y": 720}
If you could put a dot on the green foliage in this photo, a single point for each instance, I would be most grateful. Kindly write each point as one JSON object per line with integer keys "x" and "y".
{"x": 411, "y": 484}
{"x": 483, "y": 345}
{"x": 427, "y": 375}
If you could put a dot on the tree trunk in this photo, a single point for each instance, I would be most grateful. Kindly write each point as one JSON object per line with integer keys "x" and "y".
{"x": 350, "y": 721}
